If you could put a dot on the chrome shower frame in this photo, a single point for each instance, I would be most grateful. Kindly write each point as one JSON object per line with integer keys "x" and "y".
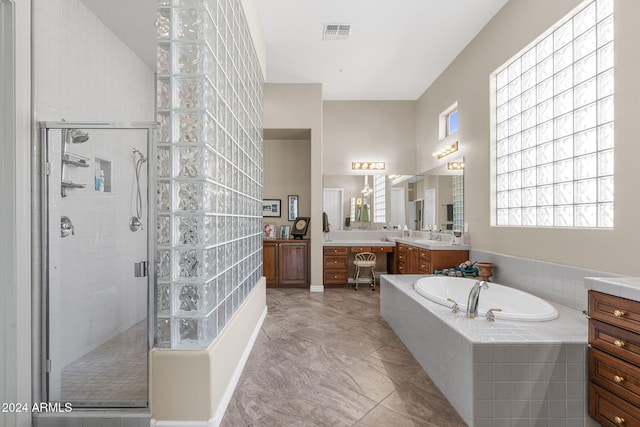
{"x": 67, "y": 128}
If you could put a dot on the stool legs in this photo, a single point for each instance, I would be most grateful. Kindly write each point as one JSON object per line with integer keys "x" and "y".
{"x": 373, "y": 278}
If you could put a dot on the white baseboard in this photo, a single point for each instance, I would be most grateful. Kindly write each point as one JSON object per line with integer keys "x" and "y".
{"x": 316, "y": 288}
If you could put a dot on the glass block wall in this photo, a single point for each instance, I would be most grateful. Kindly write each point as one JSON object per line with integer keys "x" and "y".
{"x": 209, "y": 183}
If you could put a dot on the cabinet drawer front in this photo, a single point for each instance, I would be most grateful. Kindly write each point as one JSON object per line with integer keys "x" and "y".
{"x": 356, "y": 249}
{"x": 379, "y": 249}
{"x": 336, "y": 262}
{"x": 615, "y": 310}
{"x": 425, "y": 254}
{"x": 615, "y": 375}
{"x": 336, "y": 250}
{"x": 335, "y": 277}
{"x": 424, "y": 268}
{"x": 401, "y": 248}
{"x": 610, "y": 410}
{"x": 619, "y": 342}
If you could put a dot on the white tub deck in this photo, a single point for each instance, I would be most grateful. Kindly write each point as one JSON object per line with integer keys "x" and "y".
{"x": 501, "y": 373}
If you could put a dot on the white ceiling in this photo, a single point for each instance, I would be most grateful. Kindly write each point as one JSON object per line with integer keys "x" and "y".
{"x": 395, "y": 51}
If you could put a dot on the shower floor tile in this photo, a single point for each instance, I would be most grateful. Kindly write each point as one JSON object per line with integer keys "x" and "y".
{"x": 113, "y": 374}
{"x": 330, "y": 359}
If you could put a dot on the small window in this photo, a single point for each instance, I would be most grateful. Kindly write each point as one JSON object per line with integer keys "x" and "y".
{"x": 452, "y": 122}
{"x": 448, "y": 121}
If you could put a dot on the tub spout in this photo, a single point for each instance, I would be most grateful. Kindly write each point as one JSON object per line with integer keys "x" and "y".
{"x": 474, "y": 297}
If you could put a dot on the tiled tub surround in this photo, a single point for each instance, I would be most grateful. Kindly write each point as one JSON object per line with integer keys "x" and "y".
{"x": 497, "y": 373}
{"x": 557, "y": 283}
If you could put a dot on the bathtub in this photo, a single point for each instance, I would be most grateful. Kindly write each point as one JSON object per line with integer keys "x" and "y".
{"x": 515, "y": 304}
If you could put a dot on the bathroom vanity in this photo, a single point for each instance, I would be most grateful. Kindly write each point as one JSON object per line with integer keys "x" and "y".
{"x": 418, "y": 259}
{"x": 614, "y": 351}
{"x": 338, "y": 258}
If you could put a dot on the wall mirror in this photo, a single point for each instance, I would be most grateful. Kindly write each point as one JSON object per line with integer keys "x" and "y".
{"x": 433, "y": 199}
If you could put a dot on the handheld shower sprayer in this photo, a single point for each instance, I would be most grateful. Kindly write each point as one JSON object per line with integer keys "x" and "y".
{"x": 139, "y": 153}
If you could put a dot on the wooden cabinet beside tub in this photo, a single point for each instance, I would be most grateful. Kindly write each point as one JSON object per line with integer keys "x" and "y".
{"x": 614, "y": 360}
{"x": 415, "y": 260}
{"x": 286, "y": 263}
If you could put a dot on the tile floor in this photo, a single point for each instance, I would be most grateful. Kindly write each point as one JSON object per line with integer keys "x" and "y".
{"x": 330, "y": 359}
{"x": 113, "y": 374}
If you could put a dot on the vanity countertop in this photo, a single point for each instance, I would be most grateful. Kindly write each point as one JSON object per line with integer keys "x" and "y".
{"x": 358, "y": 243}
{"x": 434, "y": 245}
{"x": 624, "y": 287}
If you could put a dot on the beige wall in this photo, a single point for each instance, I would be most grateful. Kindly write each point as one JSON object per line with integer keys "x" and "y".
{"x": 299, "y": 106}
{"x": 287, "y": 170}
{"x": 466, "y": 80}
{"x": 369, "y": 131}
{"x": 196, "y": 385}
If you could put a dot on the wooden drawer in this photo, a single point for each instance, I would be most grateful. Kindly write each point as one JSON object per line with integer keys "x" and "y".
{"x": 424, "y": 267}
{"x": 425, "y": 255}
{"x": 336, "y": 262}
{"x": 336, "y": 250}
{"x": 335, "y": 277}
{"x": 402, "y": 248}
{"x": 381, "y": 249}
{"x": 356, "y": 249}
{"x": 610, "y": 410}
{"x": 615, "y": 375}
{"x": 615, "y": 310}
{"x": 616, "y": 341}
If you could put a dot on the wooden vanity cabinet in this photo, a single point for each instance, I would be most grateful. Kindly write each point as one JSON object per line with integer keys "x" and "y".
{"x": 335, "y": 267}
{"x": 336, "y": 261}
{"x": 285, "y": 263}
{"x": 614, "y": 360}
{"x": 414, "y": 260}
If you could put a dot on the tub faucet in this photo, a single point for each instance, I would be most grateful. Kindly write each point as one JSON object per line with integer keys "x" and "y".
{"x": 474, "y": 297}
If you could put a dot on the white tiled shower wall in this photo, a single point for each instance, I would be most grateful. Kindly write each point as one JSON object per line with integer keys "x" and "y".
{"x": 559, "y": 283}
{"x": 81, "y": 72}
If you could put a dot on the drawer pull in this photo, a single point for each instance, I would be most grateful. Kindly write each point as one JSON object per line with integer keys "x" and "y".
{"x": 619, "y": 313}
{"x": 619, "y": 343}
{"x": 618, "y": 379}
{"x": 618, "y": 420}
{"x": 335, "y": 262}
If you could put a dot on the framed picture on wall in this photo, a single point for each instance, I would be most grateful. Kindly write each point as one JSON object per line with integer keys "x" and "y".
{"x": 271, "y": 207}
{"x": 293, "y": 207}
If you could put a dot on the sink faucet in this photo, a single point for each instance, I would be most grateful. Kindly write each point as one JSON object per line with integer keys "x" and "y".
{"x": 474, "y": 297}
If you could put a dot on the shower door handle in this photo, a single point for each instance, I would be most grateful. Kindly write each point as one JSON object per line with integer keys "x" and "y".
{"x": 140, "y": 269}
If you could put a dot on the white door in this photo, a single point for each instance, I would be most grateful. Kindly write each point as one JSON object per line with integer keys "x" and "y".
{"x": 332, "y": 204}
{"x": 398, "y": 211}
{"x": 430, "y": 208}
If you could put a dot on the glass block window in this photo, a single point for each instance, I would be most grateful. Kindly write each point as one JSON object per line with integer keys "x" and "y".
{"x": 209, "y": 169}
{"x": 553, "y": 146}
{"x": 458, "y": 202}
{"x": 379, "y": 199}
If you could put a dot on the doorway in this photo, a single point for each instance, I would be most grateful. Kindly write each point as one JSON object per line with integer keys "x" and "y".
{"x": 96, "y": 249}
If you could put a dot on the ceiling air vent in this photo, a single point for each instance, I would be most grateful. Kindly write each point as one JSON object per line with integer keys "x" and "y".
{"x": 336, "y": 31}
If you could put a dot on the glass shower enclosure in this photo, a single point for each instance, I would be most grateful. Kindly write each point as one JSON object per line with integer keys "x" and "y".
{"x": 97, "y": 243}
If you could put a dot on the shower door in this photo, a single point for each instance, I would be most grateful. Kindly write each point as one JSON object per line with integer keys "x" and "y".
{"x": 96, "y": 220}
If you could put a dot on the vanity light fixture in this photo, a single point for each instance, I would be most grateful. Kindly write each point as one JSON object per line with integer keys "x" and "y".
{"x": 356, "y": 166}
{"x": 445, "y": 151}
{"x": 455, "y": 166}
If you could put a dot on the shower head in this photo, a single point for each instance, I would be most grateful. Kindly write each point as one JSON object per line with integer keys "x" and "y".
{"x": 142, "y": 156}
{"x": 77, "y": 136}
